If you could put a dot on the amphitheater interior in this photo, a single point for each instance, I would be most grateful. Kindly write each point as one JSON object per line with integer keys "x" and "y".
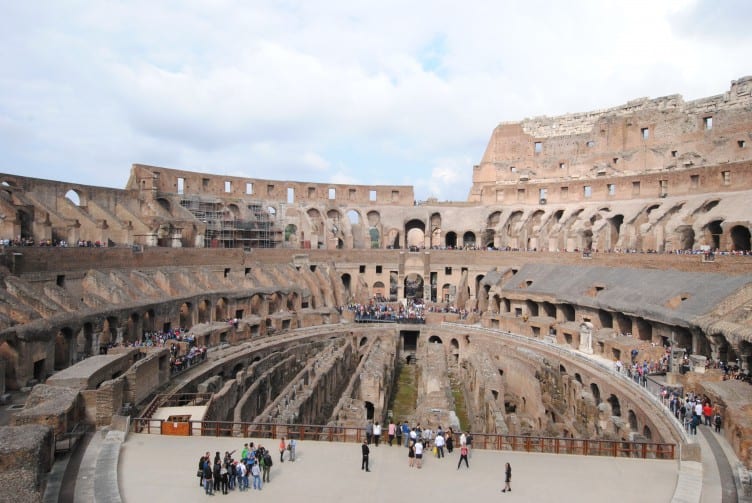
{"x": 587, "y": 242}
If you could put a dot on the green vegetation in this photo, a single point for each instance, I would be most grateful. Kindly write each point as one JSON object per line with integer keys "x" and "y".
{"x": 459, "y": 403}
{"x": 405, "y": 394}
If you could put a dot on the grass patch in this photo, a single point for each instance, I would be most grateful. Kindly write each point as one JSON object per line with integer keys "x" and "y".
{"x": 459, "y": 404}
{"x": 405, "y": 394}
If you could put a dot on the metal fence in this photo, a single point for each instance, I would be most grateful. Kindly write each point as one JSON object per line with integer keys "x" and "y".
{"x": 550, "y": 445}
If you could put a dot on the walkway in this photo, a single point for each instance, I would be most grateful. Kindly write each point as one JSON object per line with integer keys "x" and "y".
{"x": 154, "y": 466}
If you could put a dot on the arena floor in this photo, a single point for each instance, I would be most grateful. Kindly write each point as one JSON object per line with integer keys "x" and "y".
{"x": 163, "y": 468}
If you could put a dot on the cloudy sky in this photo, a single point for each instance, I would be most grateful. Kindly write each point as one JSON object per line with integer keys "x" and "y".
{"x": 375, "y": 92}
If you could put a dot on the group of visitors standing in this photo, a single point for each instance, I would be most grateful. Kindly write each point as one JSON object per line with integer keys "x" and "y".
{"x": 225, "y": 473}
{"x": 693, "y": 411}
{"x": 418, "y": 441}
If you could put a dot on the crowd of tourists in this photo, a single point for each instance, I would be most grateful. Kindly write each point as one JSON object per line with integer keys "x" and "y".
{"x": 387, "y": 312}
{"x": 419, "y": 441}
{"x": 692, "y": 410}
{"x": 229, "y": 473}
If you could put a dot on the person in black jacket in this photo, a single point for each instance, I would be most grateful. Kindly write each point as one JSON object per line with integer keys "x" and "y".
{"x": 208, "y": 485}
{"x": 366, "y": 451}
{"x": 507, "y": 478}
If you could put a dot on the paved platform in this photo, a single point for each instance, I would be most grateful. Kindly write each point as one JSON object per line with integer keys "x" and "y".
{"x": 163, "y": 468}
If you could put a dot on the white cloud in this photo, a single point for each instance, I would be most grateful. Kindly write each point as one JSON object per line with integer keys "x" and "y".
{"x": 336, "y": 90}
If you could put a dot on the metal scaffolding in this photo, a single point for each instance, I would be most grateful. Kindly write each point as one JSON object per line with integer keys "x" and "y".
{"x": 224, "y": 229}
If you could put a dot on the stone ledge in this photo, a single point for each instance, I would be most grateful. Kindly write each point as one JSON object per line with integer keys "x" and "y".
{"x": 106, "y": 472}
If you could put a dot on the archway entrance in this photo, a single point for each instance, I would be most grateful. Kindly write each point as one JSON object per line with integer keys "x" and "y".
{"x": 740, "y": 238}
{"x": 413, "y": 286}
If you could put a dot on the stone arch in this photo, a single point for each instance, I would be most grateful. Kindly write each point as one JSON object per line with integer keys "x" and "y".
{"x": 740, "y": 238}
{"x": 374, "y": 237}
{"x": 613, "y": 400}
{"x": 109, "y": 331}
{"x": 413, "y": 286}
{"x": 632, "y": 419}
{"x": 147, "y": 321}
{"x": 292, "y": 301}
{"x": 85, "y": 340}
{"x": 220, "y": 310}
{"x": 393, "y": 239}
{"x": 685, "y": 237}
{"x": 647, "y": 433}
{"x": 133, "y": 330}
{"x": 374, "y": 218}
{"x": 204, "y": 311}
{"x": 615, "y": 224}
{"x": 75, "y": 197}
{"x": 415, "y": 234}
{"x": 234, "y": 210}
{"x": 353, "y": 216}
{"x": 256, "y": 304}
{"x": 567, "y": 310}
{"x": 271, "y": 210}
{"x": 363, "y": 341}
{"x": 587, "y": 239}
{"x": 347, "y": 285}
{"x": 9, "y": 354}
{"x": 454, "y": 343}
{"x": 291, "y": 234}
{"x": 578, "y": 377}
{"x": 63, "y": 348}
{"x": 379, "y": 290}
{"x": 713, "y": 232}
{"x": 707, "y": 206}
{"x": 446, "y": 288}
{"x": 186, "y": 315}
{"x": 450, "y": 240}
{"x": 468, "y": 239}
{"x": 434, "y": 339}
{"x": 606, "y": 318}
{"x": 165, "y": 204}
{"x": 275, "y": 302}
{"x": 595, "y": 391}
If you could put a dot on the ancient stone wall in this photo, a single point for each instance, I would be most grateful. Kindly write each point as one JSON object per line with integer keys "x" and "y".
{"x": 637, "y": 138}
{"x": 26, "y": 456}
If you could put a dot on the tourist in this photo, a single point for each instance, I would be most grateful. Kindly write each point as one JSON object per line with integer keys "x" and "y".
{"x": 217, "y": 474}
{"x": 208, "y": 483}
{"x": 200, "y": 473}
{"x": 364, "y": 460}
{"x": 266, "y": 464}
{"x": 717, "y": 421}
{"x": 405, "y": 429}
{"x": 469, "y": 443}
{"x": 463, "y": 455}
{"x": 282, "y": 448}
{"x": 376, "y": 433}
{"x": 507, "y": 478}
{"x": 411, "y": 454}
{"x": 242, "y": 471}
{"x": 224, "y": 478}
{"x": 256, "y": 472}
{"x": 419, "y": 453}
{"x": 391, "y": 431}
{"x": 707, "y": 413}
{"x": 450, "y": 441}
{"x": 439, "y": 443}
{"x": 291, "y": 447}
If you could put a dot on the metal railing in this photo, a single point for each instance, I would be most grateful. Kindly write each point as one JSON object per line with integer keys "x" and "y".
{"x": 487, "y": 441}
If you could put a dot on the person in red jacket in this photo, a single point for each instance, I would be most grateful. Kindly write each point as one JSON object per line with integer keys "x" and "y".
{"x": 707, "y": 413}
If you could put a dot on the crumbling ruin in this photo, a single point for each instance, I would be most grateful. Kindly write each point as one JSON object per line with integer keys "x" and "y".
{"x": 569, "y": 240}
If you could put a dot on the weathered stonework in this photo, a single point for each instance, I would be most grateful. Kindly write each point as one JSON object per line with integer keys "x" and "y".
{"x": 191, "y": 251}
